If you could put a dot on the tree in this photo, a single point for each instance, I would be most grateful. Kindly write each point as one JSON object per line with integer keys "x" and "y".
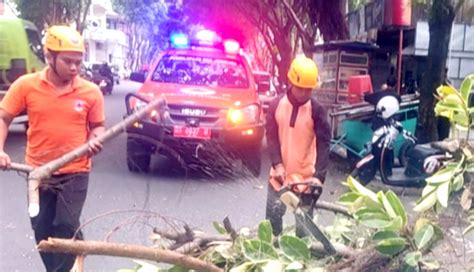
{"x": 45, "y": 13}
{"x": 283, "y": 27}
{"x": 150, "y": 24}
{"x": 440, "y": 22}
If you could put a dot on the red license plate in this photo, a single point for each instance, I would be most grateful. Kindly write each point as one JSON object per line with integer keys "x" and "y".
{"x": 192, "y": 132}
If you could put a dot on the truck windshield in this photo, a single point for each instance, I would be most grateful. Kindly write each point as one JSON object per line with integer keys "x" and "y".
{"x": 35, "y": 43}
{"x": 194, "y": 70}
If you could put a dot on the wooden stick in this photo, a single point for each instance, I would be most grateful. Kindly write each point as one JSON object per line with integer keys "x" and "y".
{"x": 56, "y": 245}
{"x": 21, "y": 168}
{"x": 46, "y": 170}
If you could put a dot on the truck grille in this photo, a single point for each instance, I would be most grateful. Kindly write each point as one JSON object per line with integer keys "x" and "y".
{"x": 182, "y": 113}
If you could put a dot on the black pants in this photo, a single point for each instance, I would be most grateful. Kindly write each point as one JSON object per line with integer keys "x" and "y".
{"x": 61, "y": 200}
{"x": 276, "y": 209}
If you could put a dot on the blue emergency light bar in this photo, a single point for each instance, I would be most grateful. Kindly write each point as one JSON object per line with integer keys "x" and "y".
{"x": 205, "y": 38}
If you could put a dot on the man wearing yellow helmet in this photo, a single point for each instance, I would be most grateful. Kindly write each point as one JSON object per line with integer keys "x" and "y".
{"x": 64, "y": 112}
{"x": 298, "y": 135}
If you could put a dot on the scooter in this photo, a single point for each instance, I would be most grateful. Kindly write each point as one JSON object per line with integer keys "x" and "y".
{"x": 105, "y": 84}
{"x": 417, "y": 161}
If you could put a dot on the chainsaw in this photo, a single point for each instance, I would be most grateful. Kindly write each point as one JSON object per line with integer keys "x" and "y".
{"x": 293, "y": 202}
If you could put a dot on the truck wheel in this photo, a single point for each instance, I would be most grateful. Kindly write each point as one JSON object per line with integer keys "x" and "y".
{"x": 138, "y": 156}
{"x": 252, "y": 160}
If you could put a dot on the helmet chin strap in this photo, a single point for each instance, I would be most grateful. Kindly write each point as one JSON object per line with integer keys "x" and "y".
{"x": 53, "y": 66}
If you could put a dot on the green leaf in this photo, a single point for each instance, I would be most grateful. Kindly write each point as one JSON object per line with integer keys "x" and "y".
{"x": 177, "y": 268}
{"x": 145, "y": 267}
{"x": 273, "y": 266}
{"x": 245, "y": 267}
{"x": 427, "y": 201}
{"x": 430, "y": 264}
{"x": 468, "y": 229}
{"x": 219, "y": 227}
{"x": 406, "y": 268}
{"x": 445, "y": 90}
{"x": 397, "y": 205}
{"x": 294, "y": 266}
{"x": 265, "y": 231}
{"x": 413, "y": 258}
{"x": 375, "y": 221}
{"x": 364, "y": 212}
{"x": 442, "y": 194}
{"x": 384, "y": 234}
{"x": 461, "y": 119}
{"x": 458, "y": 182}
{"x": 361, "y": 189}
{"x": 443, "y": 106}
{"x": 348, "y": 198}
{"x": 386, "y": 204}
{"x": 470, "y": 167}
{"x": 391, "y": 246}
{"x": 396, "y": 224}
{"x": 256, "y": 250}
{"x": 423, "y": 236}
{"x": 466, "y": 87}
{"x": 441, "y": 176}
{"x": 294, "y": 248}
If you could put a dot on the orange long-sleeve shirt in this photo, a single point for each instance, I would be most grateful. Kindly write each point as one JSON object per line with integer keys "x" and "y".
{"x": 298, "y": 135}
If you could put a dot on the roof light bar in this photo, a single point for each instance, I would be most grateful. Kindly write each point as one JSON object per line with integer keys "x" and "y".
{"x": 179, "y": 40}
{"x": 231, "y": 46}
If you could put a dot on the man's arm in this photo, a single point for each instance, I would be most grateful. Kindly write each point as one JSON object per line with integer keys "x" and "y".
{"x": 271, "y": 130}
{"x": 5, "y": 121}
{"x": 95, "y": 130}
{"x": 322, "y": 129}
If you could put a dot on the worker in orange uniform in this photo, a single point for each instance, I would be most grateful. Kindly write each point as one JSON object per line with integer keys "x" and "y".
{"x": 298, "y": 136}
{"x": 64, "y": 112}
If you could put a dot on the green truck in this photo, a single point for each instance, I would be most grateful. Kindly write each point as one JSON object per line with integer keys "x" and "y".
{"x": 21, "y": 52}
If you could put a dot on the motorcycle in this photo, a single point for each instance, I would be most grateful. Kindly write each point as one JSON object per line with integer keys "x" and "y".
{"x": 106, "y": 85}
{"x": 416, "y": 161}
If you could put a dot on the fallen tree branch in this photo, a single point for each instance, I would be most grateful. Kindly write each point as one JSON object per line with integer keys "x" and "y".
{"x": 56, "y": 245}
{"x": 341, "y": 250}
{"x": 333, "y": 207}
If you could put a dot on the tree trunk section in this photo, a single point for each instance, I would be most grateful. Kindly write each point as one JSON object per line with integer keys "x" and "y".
{"x": 440, "y": 23}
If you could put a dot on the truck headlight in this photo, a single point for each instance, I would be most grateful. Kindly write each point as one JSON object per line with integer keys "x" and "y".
{"x": 243, "y": 116}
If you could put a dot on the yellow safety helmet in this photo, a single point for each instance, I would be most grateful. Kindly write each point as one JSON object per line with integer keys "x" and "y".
{"x": 64, "y": 38}
{"x": 303, "y": 73}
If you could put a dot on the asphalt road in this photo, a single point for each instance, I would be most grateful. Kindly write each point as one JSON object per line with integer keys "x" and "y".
{"x": 123, "y": 207}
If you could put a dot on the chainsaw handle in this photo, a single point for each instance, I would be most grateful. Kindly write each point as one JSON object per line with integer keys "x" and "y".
{"x": 313, "y": 186}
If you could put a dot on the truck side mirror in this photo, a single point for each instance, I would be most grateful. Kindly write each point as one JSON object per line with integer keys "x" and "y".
{"x": 138, "y": 77}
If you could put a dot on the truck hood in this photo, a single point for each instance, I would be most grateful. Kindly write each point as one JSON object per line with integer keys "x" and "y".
{"x": 204, "y": 96}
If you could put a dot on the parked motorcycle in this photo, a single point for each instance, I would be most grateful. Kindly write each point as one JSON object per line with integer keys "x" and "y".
{"x": 416, "y": 161}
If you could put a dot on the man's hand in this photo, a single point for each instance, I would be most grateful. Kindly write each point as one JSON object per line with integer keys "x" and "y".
{"x": 279, "y": 173}
{"x": 5, "y": 161}
{"x": 316, "y": 181}
{"x": 94, "y": 147}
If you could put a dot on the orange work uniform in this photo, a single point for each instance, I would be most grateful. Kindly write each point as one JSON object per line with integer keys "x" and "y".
{"x": 58, "y": 120}
{"x": 298, "y": 135}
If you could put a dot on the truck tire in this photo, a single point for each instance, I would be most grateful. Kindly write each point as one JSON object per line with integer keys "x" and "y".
{"x": 252, "y": 160}
{"x": 138, "y": 156}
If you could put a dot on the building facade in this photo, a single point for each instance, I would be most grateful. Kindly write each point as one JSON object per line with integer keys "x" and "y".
{"x": 105, "y": 37}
